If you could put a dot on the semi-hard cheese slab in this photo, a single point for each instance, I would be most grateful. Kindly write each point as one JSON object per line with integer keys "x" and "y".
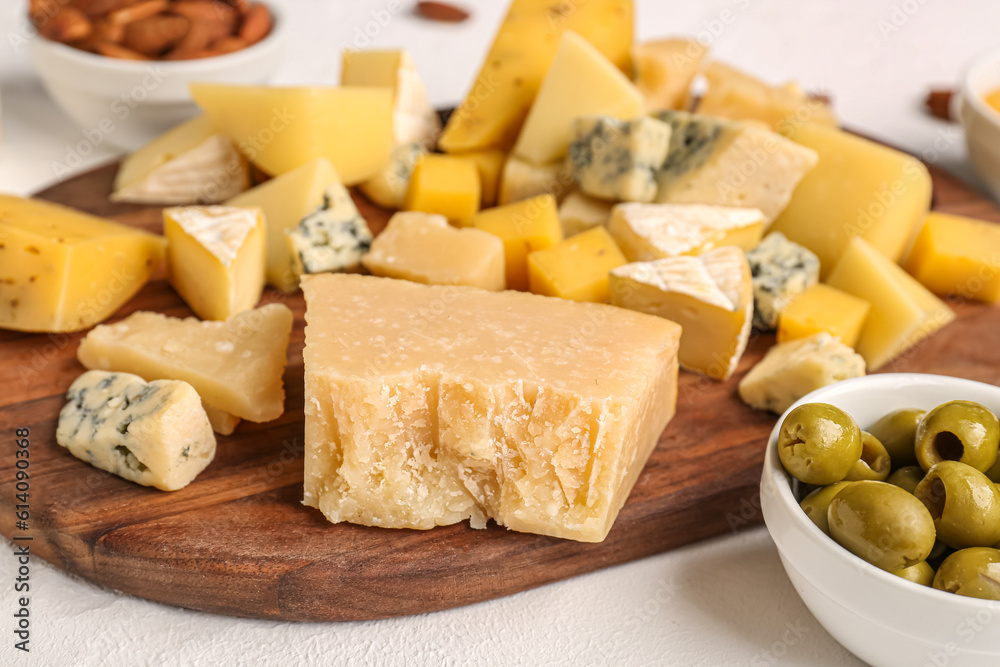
{"x": 237, "y": 540}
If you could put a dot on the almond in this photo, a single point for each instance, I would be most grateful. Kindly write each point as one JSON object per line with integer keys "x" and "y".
{"x": 137, "y": 11}
{"x": 153, "y": 35}
{"x": 442, "y": 11}
{"x": 229, "y": 45}
{"x": 67, "y": 25}
{"x": 256, "y": 24}
{"x": 113, "y": 50}
{"x": 939, "y": 103}
{"x": 197, "y": 39}
{"x": 221, "y": 17}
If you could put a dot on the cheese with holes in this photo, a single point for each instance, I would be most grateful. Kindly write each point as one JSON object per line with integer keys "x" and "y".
{"x": 580, "y": 82}
{"x": 62, "y": 270}
{"x": 333, "y": 237}
{"x": 575, "y": 268}
{"x": 616, "y": 159}
{"x": 957, "y": 255}
{"x": 154, "y": 434}
{"x": 579, "y": 212}
{"x": 235, "y": 366}
{"x": 522, "y": 53}
{"x": 191, "y": 164}
{"x": 522, "y": 180}
{"x": 428, "y": 406}
{"x": 791, "y": 370}
{"x": 388, "y": 187}
{"x": 424, "y": 248}
{"x": 664, "y": 69}
{"x": 216, "y": 258}
{"x": 524, "y": 227}
{"x": 445, "y": 185}
{"x": 414, "y": 120}
{"x": 858, "y": 188}
{"x": 654, "y": 231}
{"x": 710, "y": 296}
{"x": 824, "y": 308}
{"x": 489, "y": 163}
{"x": 903, "y": 312}
{"x": 781, "y": 271}
{"x": 712, "y": 161}
{"x": 280, "y": 129}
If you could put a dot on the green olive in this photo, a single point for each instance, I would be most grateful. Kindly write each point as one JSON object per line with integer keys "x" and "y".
{"x": 819, "y": 443}
{"x": 964, "y": 504}
{"x": 897, "y": 431}
{"x": 973, "y": 572}
{"x": 816, "y": 503}
{"x": 906, "y": 477}
{"x": 874, "y": 462}
{"x": 882, "y": 524}
{"x": 994, "y": 472}
{"x": 921, "y": 573}
{"x": 958, "y": 431}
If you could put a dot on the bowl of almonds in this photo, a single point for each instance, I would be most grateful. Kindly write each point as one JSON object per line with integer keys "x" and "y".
{"x": 120, "y": 68}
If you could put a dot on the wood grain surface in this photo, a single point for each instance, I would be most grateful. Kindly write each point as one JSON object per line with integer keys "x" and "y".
{"x": 238, "y": 540}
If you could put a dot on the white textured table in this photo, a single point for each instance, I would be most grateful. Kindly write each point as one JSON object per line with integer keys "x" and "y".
{"x": 721, "y": 602}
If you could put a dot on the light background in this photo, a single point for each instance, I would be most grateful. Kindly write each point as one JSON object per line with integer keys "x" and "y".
{"x": 721, "y": 602}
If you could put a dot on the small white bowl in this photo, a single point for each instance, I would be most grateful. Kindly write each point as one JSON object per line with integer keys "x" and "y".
{"x": 980, "y": 121}
{"x": 127, "y": 103}
{"x": 878, "y": 616}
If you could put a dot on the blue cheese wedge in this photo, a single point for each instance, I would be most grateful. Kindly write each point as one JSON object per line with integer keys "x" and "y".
{"x": 334, "y": 237}
{"x": 782, "y": 270}
{"x": 388, "y": 187}
{"x": 791, "y": 370}
{"x": 151, "y": 433}
{"x": 712, "y": 161}
{"x": 618, "y": 160}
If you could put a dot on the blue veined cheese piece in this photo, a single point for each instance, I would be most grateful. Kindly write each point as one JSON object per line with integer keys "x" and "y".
{"x": 616, "y": 159}
{"x": 712, "y": 161}
{"x": 782, "y": 270}
{"x": 388, "y": 187}
{"x": 151, "y": 433}
{"x": 334, "y": 237}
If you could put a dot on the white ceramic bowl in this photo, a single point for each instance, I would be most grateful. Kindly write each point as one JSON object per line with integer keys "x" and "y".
{"x": 980, "y": 121}
{"x": 127, "y": 103}
{"x": 879, "y": 617}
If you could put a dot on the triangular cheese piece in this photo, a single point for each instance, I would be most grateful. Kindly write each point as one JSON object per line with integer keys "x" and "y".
{"x": 664, "y": 70}
{"x": 710, "y": 296}
{"x": 581, "y": 81}
{"x": 236, "y": 365}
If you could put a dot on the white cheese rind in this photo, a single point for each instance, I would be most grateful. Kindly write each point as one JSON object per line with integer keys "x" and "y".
{"x": 221, "y": 230}
{"x": 334, "y": 237}
{"x": 782, "y": 270}
{"x": 618, "y": 160}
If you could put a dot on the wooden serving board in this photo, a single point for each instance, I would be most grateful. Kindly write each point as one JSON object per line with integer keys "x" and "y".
{"x": 238, "y": 541}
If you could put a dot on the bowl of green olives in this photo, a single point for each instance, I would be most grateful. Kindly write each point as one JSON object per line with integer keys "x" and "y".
{"x": 880, "y": 493}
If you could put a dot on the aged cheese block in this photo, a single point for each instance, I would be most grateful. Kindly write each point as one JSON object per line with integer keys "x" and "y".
{"x": 781, "y": 271}
{"x": 579, "y": 212}
{"x": 62, "y": 270}
{"x": 154, "y": 434}
{"x": 522, "y": 53}
{"x": 580, "y": 82}
{"x": 791, "y": 370}
{"x": 957, "y": 255}
{"x": 191, "y": 164}
{"x": 445, "y": 185}
{"x": 286, "y": 200}
{"x": 414, "y": 120}
{"x": 489, "y": 163}
{"x": 279, "y": 129}
{"x": 858, "y": 188}
{"x": 235, "y": 366}
{"x": 424, "y": 248}
{"x": 222, "y": 422}
{"x": 388, "y": 187}
{"x": 663, "y": 70}
{"x": 427, "y": 406}
{"x": 824, "y": 308}
{"x": 710, "y": 296}
{"x": 903, "y": 312}
{"x": 616, "y": 159}
{"x": 712, "y": 161}
{"x": 522, "y": 180}
{"x": 575, "y": 268}
{"x": 216, "y": 257}
{"x": 654, "y": 231}
{"x": 524, "y": 226}
{"x": 334, "y": 237}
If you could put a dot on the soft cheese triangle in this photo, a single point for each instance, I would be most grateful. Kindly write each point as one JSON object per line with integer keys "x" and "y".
{"x": 429, "y": 405}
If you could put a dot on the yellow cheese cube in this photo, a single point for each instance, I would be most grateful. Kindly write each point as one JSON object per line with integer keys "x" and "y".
{"x": 445, "y": 185}
{"x": 522, "y": 53}
{"x": 902, "y": 312}
{"x": 524, "y": 226}
{"x": 279, "y": 129}
{"x": 663, "y": 70}
{"x": 957, "y": 255}
{"x": 490, "y": 164}
{"x": 823, "y": 308}
{"x": 858, "y": 188}
{"x": 216, "y": 258}
{"x": 577, "y": 268}
{"x": 62, "y": 270}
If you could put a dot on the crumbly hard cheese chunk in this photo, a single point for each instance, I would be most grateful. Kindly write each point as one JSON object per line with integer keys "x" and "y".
{"x": 618, "y": 160}
{"x": 664, "y": 69}
{"x": 388, "y": 187}
{"x": 334, "y": 237}
{"x": 522, "y": 180}
{"x": 781, "y": 271}
{"x": 578, "y": 213}
{"x": 427, "y": 406}
{"x": 791, "y": 370}
{"x": 154, "y": 434}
